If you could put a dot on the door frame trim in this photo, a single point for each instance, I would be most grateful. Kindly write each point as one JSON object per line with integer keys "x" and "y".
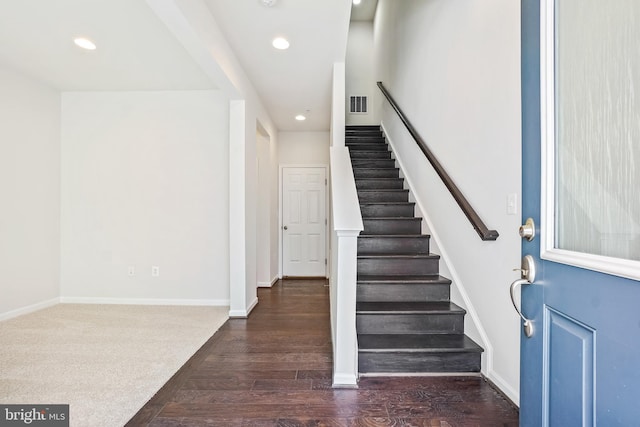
{"x": 327, "y": 240}
{"x": 615, "y": 266}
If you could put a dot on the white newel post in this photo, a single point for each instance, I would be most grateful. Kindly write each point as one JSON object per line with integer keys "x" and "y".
{"x": 345, "y": 369}
{"x": 347, "y": 225}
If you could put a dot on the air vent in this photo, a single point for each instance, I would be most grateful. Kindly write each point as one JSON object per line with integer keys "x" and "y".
{"x": 358, "y": 104}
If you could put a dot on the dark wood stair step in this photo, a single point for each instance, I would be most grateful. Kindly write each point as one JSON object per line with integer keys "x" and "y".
{"x": 387, "y": 209}
{"x": 398, "y": 264}
{"x": 373, "y": 163}
{"x": 399, "y": 244}
{"x": 411, "y": 353}
{"x": 362, "y": 154}
{"x": 380, "y": 183}
{"x": 427, "y": 343}
{"x": 430, "y": 317}
{"x": 382, "y": 279}
{"x": 357, "y": 137}
{"x": 383, "y": 195}
{"x": 362, "y": 127}
{"x": 391, "y": 225}
{"x": 367, "y": 145}
{"x": 376, "y": 133}
{"x": 388, "y": 172}
{"x": 413, "y": 307}
{"x": 402, "y": 288}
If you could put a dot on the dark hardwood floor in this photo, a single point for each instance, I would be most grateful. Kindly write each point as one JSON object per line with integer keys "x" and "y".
{"x": 274, "y": 369}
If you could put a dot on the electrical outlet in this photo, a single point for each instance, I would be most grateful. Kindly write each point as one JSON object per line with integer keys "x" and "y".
{"x": 155, "y": 271}
{"x": 131, "y": 271}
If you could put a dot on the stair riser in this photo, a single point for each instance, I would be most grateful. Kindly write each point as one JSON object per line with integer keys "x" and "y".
{"x": 418, "y": 362}
{"x": 362, "y": 127}
{"x": 379, "y": 184}
{"x": 403, "y": 292}
{"x": 369, "y": 137}
{"x": 393, "y": 245}
{"x": 358, "y": 154}
{"x": 387, "y": 210}
{"x": 397, "y": 266}
{"x": 373, "y": 163}
{"x": 383, "y": 196}
{"x": 410, "y": 323}
{"x": 391, "y": 226}
{"x": 368, "y": 132}
{"x": 376, "y": 173}
{"x": 368, "y": 146}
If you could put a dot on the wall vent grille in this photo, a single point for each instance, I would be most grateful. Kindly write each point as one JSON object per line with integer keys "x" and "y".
{"x": 358, "y": 104}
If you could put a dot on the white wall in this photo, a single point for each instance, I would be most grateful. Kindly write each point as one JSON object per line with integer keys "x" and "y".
{"x": 298, "y": 148}
{"x": 454, "y": 68}
{"x": 263, "y": 218}
{"x": 145, "y": 180}
{"x": 29, "y": 194}
{"x": 195, "y": 27}
{"x": 274, "y": 248}
{"x": 359, "y": 72}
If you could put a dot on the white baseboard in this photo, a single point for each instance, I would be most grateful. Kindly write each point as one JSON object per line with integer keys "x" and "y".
{"x": 345, "y": 381}
{"x": 243, "y": 314}
{"x": 145, "y": 301}
{"x": 29, "y": 309}
{"x": 513, "y": 395}
{"x": 268, "y": 284}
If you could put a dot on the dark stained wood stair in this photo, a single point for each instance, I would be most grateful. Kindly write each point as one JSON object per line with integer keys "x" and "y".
{"x": 405, "y": 320}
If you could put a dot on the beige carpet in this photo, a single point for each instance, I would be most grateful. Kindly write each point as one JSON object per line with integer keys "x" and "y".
{"x": 105, "y": 361}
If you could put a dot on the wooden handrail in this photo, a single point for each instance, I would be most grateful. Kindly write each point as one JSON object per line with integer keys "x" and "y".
{"x": 470, "y": 213}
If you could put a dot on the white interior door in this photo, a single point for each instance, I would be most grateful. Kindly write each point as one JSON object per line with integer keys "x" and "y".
{"x": 304, "y": 221}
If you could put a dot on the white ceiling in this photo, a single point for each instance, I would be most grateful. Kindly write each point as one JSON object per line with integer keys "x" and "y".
{"x": 296, "y": 80}
{"x": 136, "y": 51}
{"x": 365, "y": 11}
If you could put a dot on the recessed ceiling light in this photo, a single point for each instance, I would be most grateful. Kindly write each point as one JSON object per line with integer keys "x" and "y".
{"x": 268, "y": 3}
{"x": 280, "y": 43}
{"x": 357, "y": 2}
{"x": 300, "y": 117}
{"x": 84, "y": 43}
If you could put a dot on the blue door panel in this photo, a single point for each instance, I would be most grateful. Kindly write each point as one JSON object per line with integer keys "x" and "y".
{"x": 582, "y": 367}
{"x": 569, "y": 370}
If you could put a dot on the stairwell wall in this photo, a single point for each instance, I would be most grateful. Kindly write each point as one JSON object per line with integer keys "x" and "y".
{"x": 359, "y": 72}
{"x": 454, "y": 68}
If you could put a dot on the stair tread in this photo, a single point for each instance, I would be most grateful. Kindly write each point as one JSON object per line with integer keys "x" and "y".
{"x": 378, "y": 190}
{"x": 422, "y": 343}
{"x": 398, "y": 255}
{"x": 388, "y": 203}
{"x": 395, "y": 236}
{"x": 409, "y": 307}
{"x": 433, "y": 278}
{"x": 392, "y": 218}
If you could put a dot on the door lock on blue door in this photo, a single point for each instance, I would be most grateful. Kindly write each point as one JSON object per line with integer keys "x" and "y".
{"x": 528, "y": 230}
{"x": 527, "y": 276}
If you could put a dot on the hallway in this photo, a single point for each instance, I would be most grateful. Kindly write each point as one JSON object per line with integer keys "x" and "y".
{"x": 274, "y": 369}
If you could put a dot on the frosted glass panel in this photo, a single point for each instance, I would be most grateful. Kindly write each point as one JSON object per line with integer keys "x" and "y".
{"x": 597, "y": 97}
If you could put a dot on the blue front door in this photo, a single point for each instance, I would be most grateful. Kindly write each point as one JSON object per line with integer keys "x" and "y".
{"x": 581, "y": 106}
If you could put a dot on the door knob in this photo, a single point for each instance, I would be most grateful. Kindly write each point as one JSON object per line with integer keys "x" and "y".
{"x": 528, "y": 230}
{"x": 285, "y": 227}
{"x": 527, "y": 276}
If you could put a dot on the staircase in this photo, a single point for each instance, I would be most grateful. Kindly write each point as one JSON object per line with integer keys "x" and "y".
{"x": 404, "y": 319}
